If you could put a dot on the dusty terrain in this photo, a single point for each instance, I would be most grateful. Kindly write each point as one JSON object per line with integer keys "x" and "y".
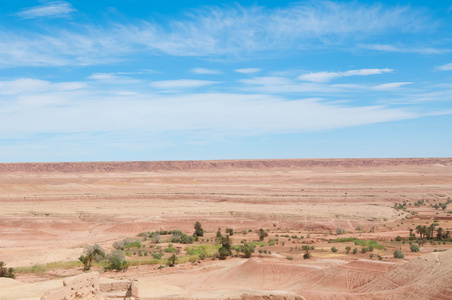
{"x": 49, "y": 212}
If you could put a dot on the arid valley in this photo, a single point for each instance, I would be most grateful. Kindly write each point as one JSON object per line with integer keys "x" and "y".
{"x": 49, "y": 212}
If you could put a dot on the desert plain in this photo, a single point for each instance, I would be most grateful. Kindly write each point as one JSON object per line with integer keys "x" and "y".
{"x": 50, "y": 211}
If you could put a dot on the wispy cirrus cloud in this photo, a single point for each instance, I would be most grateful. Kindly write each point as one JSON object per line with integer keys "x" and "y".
{"x": 181, "y": 84}
{"x": 327, "y": 76}
{"x": 390, "y": 86}
{"x": 224, "y": 113}
{"x": 446, "y": 67}
{"x": 247, "y": 70}
{"x": 30, "y": 86}
{"x": 404, "y": 49}
{"x": 210, "y": 31}
{"x": 54, "y": 9}
{"x": 113, "y": 78}
{"x": 205, "y": 71}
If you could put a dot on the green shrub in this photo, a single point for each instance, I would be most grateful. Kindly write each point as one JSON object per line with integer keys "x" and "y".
{"x": 248, "y": 250}
{"x": 334, "y": 249}
{"x": 398, "y": 254}
{"x": 340, "y": 230}
{"x": 170, "y": 248}
{"x": 90, "y": 253}
{"x": 157, "y": 255}
{"x": 116, "y": 261}
{"x": 415, "y": 248}
{"x": 6, "y": 272}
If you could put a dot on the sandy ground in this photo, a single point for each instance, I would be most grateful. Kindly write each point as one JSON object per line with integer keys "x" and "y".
{"x": 49, "y": 212}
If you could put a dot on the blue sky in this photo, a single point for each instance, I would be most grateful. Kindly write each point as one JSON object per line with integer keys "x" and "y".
{"x": 190, "y": 80}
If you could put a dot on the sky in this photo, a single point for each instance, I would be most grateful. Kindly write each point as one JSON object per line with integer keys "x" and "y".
{"x": 130, "y": 80}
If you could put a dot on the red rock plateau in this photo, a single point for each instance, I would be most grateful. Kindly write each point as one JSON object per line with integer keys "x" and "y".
{"x": 50, "y": 211}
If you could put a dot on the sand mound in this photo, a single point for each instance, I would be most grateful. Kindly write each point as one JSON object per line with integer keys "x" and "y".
{"x": 428, "y": 277}
{"x": 265, "y": 274}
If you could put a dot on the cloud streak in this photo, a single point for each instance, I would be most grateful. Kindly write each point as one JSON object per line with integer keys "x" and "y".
{"x": 390, "y": 86}
{"x": 55, "y": 9}
{"x": 446, "y": 67}
{"x": 327, "y": 76}
{"x": 247, "y": 70}
{"x": 181, "y": 84}
{"x": 212, "y": 31}
{"x": 63, "y": 108}
{"x": 405, "y": 49}
{"x": 204, "y": 71}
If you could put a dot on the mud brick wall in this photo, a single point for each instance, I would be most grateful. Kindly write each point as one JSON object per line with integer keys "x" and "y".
{"x": 84, "y": 286}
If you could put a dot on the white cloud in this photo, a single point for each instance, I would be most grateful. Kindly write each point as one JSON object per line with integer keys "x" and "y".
{"x": 446, "y": 67}
{"x": 113, "y": 78}
{"x": 247, "y": 70}
{"x": 327, "y": 76}
{"x": 89, "y": 111}
{"x": 404, "y": 49}
{"x": 181, "y": 84}
{"x": 29, "y": 85}
{"x": 50, "y": 9}
{"x": 390, "y": 86}
{"x": 205, "y": 71}
{"x": 283, "y": 85}
{"x": 218, "y": 31}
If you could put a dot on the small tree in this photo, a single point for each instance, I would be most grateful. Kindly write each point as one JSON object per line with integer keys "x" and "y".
{"x": 334, "y": 249}
{"x": 262, "y": 234}
{"x": 198, "y": 230}
{"x": 171, "y": 261}
{"x": 230, "y": 231}
{"x": 307, "y": 248}
{"x": 225, "y": 249}
{"x": 398, "y": 254}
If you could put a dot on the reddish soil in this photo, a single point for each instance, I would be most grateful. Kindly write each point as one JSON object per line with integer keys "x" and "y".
{"x": 50, "y": 211}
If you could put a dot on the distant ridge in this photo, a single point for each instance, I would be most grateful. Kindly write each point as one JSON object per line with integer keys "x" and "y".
{"x": 151, "y": 166}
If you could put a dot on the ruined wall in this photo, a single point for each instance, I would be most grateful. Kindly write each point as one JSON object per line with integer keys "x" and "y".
{"x": 84, "y": 286}
{"x": 87, "y": 287}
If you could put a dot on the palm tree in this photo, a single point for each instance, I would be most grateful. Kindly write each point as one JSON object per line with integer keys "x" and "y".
{"x": 425, "y": 232}
{"x": 420, "y": 230}
{"x": 439, "y": 233}
{"x": 431, "y": 230}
